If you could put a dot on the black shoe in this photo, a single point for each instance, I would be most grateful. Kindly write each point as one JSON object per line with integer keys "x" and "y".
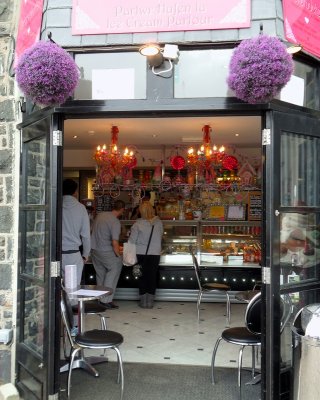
{"x": 111, "y": 305}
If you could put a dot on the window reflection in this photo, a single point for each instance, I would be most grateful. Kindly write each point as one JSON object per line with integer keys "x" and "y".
{"x": 33, "y": 317}
{"x": 300, "y": 177}
{"x": 202, "y": 73}
{"x": 299, "y": 247}
{"x": 101, "y": 66}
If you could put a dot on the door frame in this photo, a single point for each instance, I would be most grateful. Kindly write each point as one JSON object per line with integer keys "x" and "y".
{"x": 201, "y": 107}
{"x": 47, "y": 373}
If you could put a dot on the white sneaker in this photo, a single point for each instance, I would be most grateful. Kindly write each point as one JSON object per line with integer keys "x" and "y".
{"x": 74, "y": 331}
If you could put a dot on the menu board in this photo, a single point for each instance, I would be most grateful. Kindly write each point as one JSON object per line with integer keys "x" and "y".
{"x": 255, "y": 206}
{"x": 103, "y": 203}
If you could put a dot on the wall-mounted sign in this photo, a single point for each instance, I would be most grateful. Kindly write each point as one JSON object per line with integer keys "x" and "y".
{"x": 29, "y": 25}
{"x": 302, "y": 23}
{"x": 123, "y": 16}
{"x": 255, "y": 206}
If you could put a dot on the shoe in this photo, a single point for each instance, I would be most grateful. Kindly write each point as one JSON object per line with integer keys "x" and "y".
{"x": 111, "y": 305}
{"x": 74, "y": 331}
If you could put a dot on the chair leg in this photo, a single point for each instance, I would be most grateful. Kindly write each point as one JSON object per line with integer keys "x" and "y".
{"x": 253, "y": 361}
{"x": 198, "y": 304}
{"x": 228, "y": 309}
{"x": 120, "y": 371}
{"x": 239, "y": 370}
{"x": 73, "y": 354}
{"x": 213, "y": 359}
{"x": 103, "y": 322}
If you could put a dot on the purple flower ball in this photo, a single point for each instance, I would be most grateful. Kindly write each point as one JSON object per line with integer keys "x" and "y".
{"x": 259, "y": 68}
{"x": 47, "y": 74}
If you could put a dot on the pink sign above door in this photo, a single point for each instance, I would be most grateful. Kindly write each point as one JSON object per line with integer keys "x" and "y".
{"x": 29, "y": 25}
{"x": 302, "y": 24}
{"x": 130, "y": 16}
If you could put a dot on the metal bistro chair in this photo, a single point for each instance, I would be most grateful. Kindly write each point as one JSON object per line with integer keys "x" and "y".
{"x": 207, "y": 287}
{"x": 92, "y": 339}
{"x": 250, "y": 334}
{"x": 94, "y": 307}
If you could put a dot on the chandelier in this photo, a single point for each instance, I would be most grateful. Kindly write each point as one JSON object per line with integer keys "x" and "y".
{"x": 112, "y": 163}
{"x": 208, "y": 156}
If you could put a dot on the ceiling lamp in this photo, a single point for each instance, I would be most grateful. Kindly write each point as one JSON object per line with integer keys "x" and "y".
{"x": 112, "y": 163}
{"x": 157, "y": 55}
{"x": 206, "y": 162}
{"x": 294, "y": 48}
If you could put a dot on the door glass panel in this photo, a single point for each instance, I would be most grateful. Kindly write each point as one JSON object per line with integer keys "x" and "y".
{"x": 36, "y": 151}
{"x": 299, "y": 247}
{"x": 300, "y": 174}
{"x": 33, "y": 317}
{"x": 35, "y": 243}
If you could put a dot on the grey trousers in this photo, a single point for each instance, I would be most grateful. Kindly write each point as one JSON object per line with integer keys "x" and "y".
{"x": 108, "y": 268}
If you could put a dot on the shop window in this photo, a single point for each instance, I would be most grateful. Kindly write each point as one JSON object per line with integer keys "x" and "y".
{"x": 202, "y": 73}
{"x": 300, "y": 177}
{"x": 111, "y": 76}
{"x": 302, "y": 88}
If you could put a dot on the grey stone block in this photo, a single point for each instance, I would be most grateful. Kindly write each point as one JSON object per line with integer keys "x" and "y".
{"x": 5, "y": 10}
{"x": 5, "y": 161}
{"x": 6, "y": 277}
{"x": 59, "y": 4}
{"x": 263, "y": 9}
{"x": 6, "y": 220}
{"x": 62, "y": 36}
{"x": 7, "y": 110}
{"x": 93, "y": 40}
{"x": 121, "y": 39}
{"x": 58, "y": 18}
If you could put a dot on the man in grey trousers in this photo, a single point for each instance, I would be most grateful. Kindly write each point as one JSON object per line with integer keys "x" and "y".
{"x": 75, "y": 229}
{"x": 105, "y": 252}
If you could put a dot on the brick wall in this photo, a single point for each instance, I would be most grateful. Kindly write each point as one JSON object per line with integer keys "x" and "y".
{"x": 8, "y": 17}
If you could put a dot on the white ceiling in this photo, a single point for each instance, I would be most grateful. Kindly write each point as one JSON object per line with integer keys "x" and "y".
{"x": 160, "y": 132}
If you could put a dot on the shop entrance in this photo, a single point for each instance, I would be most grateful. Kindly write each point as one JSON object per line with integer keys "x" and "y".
{"x": 281, "y": 127}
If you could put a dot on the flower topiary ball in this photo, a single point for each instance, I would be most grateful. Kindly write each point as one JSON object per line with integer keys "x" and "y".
{"x": 47, "y": 74}
{"x": 259, "y": 68}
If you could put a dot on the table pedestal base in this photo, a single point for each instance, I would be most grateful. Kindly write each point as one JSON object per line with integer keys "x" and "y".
{"x": 86, "y": 364}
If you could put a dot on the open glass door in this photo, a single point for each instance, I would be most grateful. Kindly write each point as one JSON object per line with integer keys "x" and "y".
{"x": 292, "y": 239}
{"x": 37, "y": 369}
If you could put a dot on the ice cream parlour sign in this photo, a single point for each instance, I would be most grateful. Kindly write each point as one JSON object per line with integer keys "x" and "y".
{"x": 130, "y": 16}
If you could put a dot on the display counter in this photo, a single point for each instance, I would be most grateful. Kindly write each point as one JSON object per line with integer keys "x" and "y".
{"x": 228, "y": 252}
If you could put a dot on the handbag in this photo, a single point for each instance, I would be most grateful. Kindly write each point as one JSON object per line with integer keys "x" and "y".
{"x": 129, "y": 255}
{"x": 137, "y": 268}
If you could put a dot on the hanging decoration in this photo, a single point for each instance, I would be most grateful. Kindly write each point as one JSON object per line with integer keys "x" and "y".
{"x": 47, "y": 74}
{"x": 112, "y": 164}
{"x": 207, "y": 159}
{"x": 259, "y": 68}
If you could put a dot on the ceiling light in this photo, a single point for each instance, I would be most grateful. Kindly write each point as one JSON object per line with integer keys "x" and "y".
{"x": 156, "y": 56}
{"x": 149, "y": 50}
{"x": 75, "y": 137}
{"x": 294, "y": 48}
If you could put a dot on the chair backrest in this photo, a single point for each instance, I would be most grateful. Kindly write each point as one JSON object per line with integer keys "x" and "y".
{"x": 253, "y": 315}
{"x": 66, "y": 313}
{"x": 196, "y": 267}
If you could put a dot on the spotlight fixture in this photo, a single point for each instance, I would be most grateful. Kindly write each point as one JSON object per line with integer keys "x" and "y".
{"x": 156, "y": 56}
{"x": 294, "y": 48}
{"x": 149, "y": 50}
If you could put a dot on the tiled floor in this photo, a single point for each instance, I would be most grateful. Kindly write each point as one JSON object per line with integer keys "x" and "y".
{"x": 169, "y": 333}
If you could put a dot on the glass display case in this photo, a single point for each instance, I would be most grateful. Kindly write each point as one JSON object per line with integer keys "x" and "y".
{"x": 228, "y": 252}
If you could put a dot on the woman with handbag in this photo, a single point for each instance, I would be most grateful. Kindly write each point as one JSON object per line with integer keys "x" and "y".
{"x": 146, "y": 234}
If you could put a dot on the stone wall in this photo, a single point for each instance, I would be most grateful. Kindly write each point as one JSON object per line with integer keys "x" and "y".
{"x": 8, "y": 18}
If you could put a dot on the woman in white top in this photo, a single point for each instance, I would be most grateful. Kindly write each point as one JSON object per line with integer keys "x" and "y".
{"x": 140, "y": 235}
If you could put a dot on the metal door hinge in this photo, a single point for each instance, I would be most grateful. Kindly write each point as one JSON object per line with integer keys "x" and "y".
{"x": 57, "y": 138}
{"x": 53, "y": 396}
{"x": 55, "y": 269}
{"x": 266, "y": 137}
{"x": 266, "y": 275}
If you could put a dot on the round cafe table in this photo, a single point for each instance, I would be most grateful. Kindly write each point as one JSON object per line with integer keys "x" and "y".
{"x": 82, "y": 294}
